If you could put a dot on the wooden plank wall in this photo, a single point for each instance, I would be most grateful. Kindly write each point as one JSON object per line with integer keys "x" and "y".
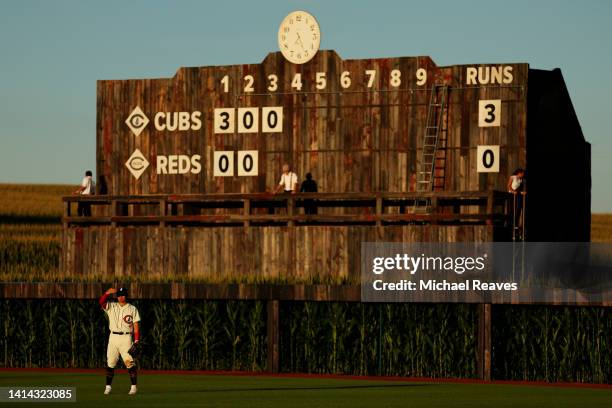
{"x": 354, "y": 139}
{"x": 229, "y": 254}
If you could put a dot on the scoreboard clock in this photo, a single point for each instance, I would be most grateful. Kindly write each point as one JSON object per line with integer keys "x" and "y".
{"x": 299, "y": 37}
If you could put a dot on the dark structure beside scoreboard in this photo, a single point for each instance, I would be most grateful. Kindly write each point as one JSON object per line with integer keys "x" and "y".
{"x": 182, "y": 204}
{"x": 558, "y": 163}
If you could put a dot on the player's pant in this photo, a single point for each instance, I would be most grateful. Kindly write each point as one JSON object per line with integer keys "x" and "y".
{"x": 119, "y": 345}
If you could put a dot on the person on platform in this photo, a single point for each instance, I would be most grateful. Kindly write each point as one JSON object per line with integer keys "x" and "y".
{"x": 288, "y": 182}
{"x": 516, "y": 187}
{"x": 86, "y": 188}
{"x": 309, "y": 186}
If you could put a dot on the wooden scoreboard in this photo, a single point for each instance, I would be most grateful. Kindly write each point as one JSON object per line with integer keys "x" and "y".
{"x": 185, "y": 165}
{"x": 356, "y": 125}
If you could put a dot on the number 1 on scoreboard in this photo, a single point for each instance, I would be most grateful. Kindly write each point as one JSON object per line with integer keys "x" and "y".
{"x": 225, "y": 83}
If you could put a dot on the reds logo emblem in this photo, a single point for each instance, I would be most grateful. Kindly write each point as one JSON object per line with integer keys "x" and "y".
{"x": 128, "y": 319}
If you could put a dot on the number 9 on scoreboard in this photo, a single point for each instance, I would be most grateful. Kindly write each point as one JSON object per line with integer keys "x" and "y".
{"x": 488, "y": 159}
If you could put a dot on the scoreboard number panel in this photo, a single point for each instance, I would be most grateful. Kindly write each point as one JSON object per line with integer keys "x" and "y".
{"x": 248, "y": 120}
{"x": 224, "y": 163}
{"x": 224, "y": 120}
{"x": 272, "y": 119}
{"x": 248, "y": 163}
{"x": 489, "y": 112}
{"x": 488, "y": 159}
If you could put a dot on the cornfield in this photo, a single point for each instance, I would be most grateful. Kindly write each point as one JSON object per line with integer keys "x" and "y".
{"x": 553, "y": 343}
{"x": 223, "y": 335}
{"x": 33, "y": 202}
{"x": 428, "y": 340}
{"x": 30, "y": 231}
{"x": 433, "y": 340}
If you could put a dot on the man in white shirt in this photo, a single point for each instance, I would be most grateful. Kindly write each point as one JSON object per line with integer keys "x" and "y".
{"x": 288, "y": 182}
{"x": 86, "y": 188}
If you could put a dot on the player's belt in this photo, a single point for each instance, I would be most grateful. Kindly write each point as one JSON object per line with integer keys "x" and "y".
{"x": 120, "y": 332}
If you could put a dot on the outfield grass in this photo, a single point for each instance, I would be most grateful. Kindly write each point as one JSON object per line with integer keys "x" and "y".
{"x": 259, "y": 391}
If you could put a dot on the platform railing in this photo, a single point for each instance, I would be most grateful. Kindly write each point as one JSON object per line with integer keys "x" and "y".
{"x": 473, "y": 207}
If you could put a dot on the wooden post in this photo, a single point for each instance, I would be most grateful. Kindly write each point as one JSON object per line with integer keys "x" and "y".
{"x": 273, "y": 336}
{"x": 67, "y": 205}
{"x": 490, "y": 207}
{"x": 290, "y": 211}
{"x": 483, "y": 357}
{"x": 247, "y": 212}
{"x": 523, "y": 219}
{"x": 379, "y": 206}
{"x": 433, "y": 202}
{"x": 67, "y": 208}
{"x": 114, "y": 208}
{"x": 378, "y": 215}
{"x": 163, "y": 211}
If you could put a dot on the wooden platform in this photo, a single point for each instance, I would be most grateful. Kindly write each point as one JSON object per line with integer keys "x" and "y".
{"x": 264, "y": 209}
{"x": 234, "y": 238}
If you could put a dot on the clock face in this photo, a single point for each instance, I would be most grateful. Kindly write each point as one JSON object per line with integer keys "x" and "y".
{"x": 299, "y": 37}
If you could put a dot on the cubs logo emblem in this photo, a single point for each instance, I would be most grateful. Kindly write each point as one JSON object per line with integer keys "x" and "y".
{"x": 128, "y": 319}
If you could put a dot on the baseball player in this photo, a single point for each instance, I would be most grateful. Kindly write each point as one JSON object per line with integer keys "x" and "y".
{"x": 123, "y": 320}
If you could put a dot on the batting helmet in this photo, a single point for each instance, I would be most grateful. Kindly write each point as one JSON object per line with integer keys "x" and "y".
{"x": 122, "y": 292}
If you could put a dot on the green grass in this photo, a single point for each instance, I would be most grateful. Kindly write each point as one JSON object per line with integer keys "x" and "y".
{"x": 229, "y": 391}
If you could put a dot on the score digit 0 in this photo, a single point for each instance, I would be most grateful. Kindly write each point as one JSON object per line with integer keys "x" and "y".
{"x": 272, "y": 119}
{"x": 247, "y": 163}
{"x": 248, "y": 120}
{"x": 224, "y": 164}
{"x": 488, "y": 159}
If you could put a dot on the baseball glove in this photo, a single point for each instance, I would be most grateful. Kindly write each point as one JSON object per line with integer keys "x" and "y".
{"x": 135, "y": 350}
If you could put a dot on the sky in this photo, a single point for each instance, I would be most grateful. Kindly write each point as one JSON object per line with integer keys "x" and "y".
{"x": 53, "y": 52}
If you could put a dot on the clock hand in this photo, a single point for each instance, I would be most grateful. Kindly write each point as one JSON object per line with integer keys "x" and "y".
{"x": 299, "y": 40}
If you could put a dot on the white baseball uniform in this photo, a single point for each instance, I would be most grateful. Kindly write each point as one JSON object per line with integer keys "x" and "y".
{"x": 120, "y": 322}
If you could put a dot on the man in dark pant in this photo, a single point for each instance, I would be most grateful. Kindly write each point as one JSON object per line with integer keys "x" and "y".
{"x": 309, "y": 186}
